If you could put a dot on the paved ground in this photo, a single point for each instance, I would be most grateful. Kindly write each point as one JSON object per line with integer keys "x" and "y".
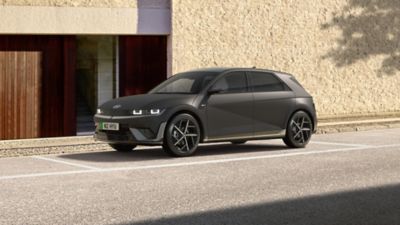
{"x": 343, "y": 178}
{"x": 75, "y": 144}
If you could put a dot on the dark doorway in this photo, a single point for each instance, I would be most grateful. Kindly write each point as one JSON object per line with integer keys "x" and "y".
{"x": 95, "y": 78}
{"x": 112, "y": 66}
{"x": 142, "y": 62}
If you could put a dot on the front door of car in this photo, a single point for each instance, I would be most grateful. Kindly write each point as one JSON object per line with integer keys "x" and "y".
{"x": 273, "y": 103}
{"x": 229, "y": 108}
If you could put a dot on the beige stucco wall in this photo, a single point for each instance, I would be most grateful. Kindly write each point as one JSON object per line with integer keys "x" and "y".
{"x": 87, "y": 3}
{"x": 345, "y": 52}
{"x": 145, "y": 17}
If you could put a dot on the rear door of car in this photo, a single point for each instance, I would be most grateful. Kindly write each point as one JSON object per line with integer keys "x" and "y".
{"x": 230, "y": 111}
{"x": 273, "y": 103}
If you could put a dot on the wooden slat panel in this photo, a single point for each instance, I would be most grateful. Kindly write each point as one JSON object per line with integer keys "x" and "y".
{"x": 9, "y": 93}
{"x": 2, "y": 97}
{"x": 20, "y": 94}
{"x": 34, "y": 91}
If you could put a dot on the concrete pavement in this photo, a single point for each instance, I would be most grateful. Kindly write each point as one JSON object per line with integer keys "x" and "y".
{"x": 341, "y": 178}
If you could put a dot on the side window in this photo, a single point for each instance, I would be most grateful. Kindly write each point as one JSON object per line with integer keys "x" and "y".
{"x": 266, "y": 82}
{"x": 234, "y": 82}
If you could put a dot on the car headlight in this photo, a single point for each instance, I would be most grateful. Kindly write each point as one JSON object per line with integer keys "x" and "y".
{"x": 137, "y": 112}
{"x": 155, "y": 111}
{"x": 99, "y": 111}
{"x": 147, "y": 112}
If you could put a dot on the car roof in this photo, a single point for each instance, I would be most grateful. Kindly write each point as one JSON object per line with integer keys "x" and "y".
{"x": 226, "y": 69}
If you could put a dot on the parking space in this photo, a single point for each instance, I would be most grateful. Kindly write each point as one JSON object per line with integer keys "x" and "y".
{"x": 109, "y": 187}
{"x": 154, "y": 157}
{"x": 30, "y": 165}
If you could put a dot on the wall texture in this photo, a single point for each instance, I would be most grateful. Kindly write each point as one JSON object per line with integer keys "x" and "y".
{"x": 345, "y": 52}
{"x": 85, "y": 17}
{"x": 86, "y": 3}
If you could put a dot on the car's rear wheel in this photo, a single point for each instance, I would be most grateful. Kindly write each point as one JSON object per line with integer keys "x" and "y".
{"x": 123, "y": 147}
{"x": 299, "y": 130}
{"x": 182, "y": 136}
{"x": 238, "y": 142}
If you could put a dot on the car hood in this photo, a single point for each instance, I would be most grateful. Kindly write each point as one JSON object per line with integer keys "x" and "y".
{"x": 125, "y": 105}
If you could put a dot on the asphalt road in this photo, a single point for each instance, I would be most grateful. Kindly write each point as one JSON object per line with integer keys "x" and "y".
{"x": 345, "y": 178}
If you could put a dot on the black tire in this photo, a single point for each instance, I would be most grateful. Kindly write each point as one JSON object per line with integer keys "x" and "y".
{"x": 238, "y": 142}
{"x": 299, "y": 130}
{"x": 182, "y": 136}
{"x": 123, "y": 147}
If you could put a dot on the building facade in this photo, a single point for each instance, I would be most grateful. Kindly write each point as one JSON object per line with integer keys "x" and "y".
{"x": 59, "y": 59}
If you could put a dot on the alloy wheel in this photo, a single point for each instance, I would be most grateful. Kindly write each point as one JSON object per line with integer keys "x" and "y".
{"x": 182, "y": 135}
{"x": 301, "y": 128}
{"x": 185, "y": 135}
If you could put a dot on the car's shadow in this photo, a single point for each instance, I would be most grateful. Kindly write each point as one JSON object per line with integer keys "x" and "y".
{"x": 155, "y": 153}
{"x": 366, "y": 206}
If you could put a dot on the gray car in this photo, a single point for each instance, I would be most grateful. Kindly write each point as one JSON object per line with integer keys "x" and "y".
{"x": 210, "y": 105}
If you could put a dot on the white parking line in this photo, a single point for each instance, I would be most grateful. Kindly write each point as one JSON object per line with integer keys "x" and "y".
{"x": 66, "y": 163}
{"x": 338, "y": 144}
{"x": 205, "y": 162}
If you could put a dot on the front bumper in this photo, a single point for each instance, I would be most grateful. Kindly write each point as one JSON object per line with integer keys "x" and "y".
{"x": 144, "y": 130}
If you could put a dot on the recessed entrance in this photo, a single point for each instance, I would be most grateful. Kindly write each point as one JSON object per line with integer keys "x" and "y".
{"x": 111, "y": 66}
{"x": 95, "y": 78}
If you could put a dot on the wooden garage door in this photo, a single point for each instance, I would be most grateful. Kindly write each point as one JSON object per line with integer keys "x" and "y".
{"x": 20, "y": 94}
{"x": 37, "y": 86}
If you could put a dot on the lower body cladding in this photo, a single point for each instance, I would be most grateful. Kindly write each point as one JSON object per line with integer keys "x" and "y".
{"x": 143, "y": 130}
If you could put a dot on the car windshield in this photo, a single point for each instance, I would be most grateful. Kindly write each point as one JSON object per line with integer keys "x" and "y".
{"x": 185, "y": 83}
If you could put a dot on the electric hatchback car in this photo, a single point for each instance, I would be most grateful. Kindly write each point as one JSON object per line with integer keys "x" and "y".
{"x": 210, "y": 105}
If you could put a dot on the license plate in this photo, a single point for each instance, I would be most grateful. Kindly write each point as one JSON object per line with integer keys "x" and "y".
{"x": 109, "y": 126}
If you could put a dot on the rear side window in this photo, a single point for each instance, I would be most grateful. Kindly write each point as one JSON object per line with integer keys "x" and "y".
{"x": 234, "y": 82}
{"x": 266, "y": 82}
{"x": 296, "y": 81}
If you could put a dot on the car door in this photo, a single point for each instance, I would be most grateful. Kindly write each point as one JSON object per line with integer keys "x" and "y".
{"x": 230, "y": 109}
{"x": 273, "y": 103}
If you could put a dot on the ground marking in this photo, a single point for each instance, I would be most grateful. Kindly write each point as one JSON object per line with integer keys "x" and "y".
{"x": 216, "y": 161}
{"x": 66, "y": 163}
{"x": 337, "y": 143}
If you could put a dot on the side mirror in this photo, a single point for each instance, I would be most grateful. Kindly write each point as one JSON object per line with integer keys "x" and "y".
{"x": 214, "y": 91}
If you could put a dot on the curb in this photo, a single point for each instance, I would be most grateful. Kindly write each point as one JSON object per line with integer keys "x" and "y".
{"x": 357, "y": 125}
{"x": 75, "y": 144}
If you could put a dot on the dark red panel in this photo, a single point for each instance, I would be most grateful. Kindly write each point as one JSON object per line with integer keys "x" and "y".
{"x": 69, "y": 51}
{"x": 143, "y": 63}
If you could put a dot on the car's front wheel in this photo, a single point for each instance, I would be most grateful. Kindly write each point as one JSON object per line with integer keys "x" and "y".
{"x": 299, "y": 130}
{"x": 123, "y": 147}
{"x": 182, "y": 136}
